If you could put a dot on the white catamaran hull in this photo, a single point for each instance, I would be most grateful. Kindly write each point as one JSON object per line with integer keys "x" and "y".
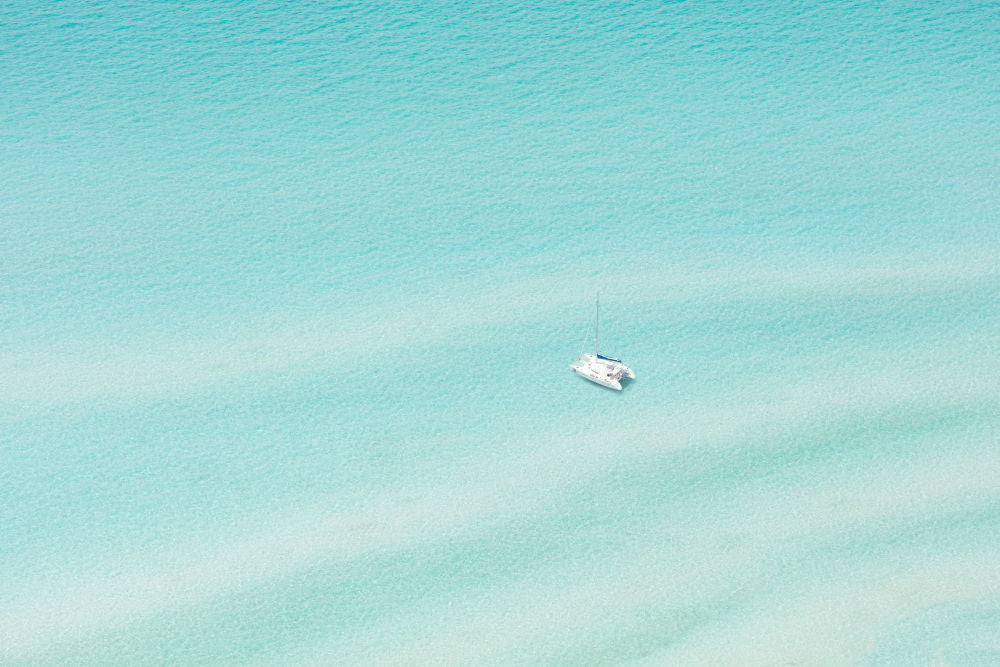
{"x": 597, "y": 377}
{"x": 602, "y": 370}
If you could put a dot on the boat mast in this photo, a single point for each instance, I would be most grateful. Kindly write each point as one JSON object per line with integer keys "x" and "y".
{"x": 597, "y": 324}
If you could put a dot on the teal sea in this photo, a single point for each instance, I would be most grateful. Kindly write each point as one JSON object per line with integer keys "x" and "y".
{"x": 289, "y": 294}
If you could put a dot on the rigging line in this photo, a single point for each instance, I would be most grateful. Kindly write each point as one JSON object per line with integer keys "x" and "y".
{"x": 582, "y": 345}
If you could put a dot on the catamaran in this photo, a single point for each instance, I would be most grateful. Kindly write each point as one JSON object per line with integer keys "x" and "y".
{"x": 600, "y": 368}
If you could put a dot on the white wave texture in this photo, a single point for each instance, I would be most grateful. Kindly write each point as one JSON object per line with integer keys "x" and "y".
{"x": 697, "y": 551}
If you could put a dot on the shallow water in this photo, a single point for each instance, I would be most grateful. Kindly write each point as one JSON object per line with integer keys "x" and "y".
{"x": 289, "y": 298}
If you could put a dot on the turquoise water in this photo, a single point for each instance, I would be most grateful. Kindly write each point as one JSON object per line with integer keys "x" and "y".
{"x": 289, "y": 294}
